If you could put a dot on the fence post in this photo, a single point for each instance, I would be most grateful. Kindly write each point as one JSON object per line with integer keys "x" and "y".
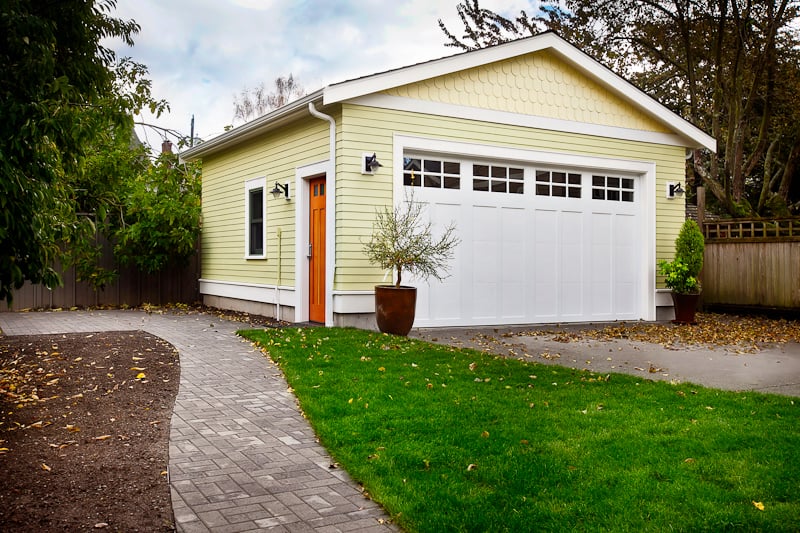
{"x": 701, "y": 217}
{"x": 701, "y": 208}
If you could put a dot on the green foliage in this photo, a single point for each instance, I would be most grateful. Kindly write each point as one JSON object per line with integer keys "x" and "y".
{"x": 160, "y": 220}
{"x": 678, "y": 278}
{"x": 551, "y": 448}
{"x": 681, "y": 274}
{"x": 60, "y": 91}
{"x": 401, "y": 241}
{"x": 690, "y": 247}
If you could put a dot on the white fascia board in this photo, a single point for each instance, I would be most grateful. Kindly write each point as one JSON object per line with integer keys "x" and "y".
{"x": 350, "y": 90}
{"x": 635, "y": 95}
{"x": 438, "y": 67}
{"x": 271, "y": 120}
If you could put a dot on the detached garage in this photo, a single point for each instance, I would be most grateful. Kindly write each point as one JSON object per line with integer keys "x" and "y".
{"x": 555, "y": 171}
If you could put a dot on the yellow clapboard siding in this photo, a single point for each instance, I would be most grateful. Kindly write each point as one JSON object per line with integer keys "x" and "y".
{"x": 378, "y": 127}
{"x": 275, "y": 156}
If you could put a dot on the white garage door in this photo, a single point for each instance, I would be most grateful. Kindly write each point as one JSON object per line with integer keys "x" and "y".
{"x": 538, "y": 244}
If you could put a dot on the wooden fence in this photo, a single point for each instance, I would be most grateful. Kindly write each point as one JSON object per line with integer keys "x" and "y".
{"x": 132, "y": 288}
{"x": 752, "y": 263}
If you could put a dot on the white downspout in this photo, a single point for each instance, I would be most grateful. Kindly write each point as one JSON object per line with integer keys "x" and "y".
{"x": 278, "y": 284}
{"x": 330, "y": 214}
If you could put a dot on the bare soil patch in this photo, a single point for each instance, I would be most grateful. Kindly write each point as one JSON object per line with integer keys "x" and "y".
{"x": 84, "y": 432}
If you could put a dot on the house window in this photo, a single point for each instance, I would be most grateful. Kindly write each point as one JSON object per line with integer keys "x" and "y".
{"x": 431, "y": 173}
{"x": 558, "y": 183}
{"x": 255, "y": 219}
{"x": 497, "y": 178}
{"x": 612, "y": 188}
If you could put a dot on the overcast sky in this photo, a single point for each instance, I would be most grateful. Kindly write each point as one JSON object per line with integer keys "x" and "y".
{"x": 202, "y": 52}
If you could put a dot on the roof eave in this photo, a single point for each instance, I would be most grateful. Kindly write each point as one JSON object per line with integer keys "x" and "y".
{"x": 348, "y": 90}
{"x": 278, "y": 117}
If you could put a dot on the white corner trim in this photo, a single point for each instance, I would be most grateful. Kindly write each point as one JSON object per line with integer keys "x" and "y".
{"x": 428, "y": 107}
{"x": 252, "y": 292}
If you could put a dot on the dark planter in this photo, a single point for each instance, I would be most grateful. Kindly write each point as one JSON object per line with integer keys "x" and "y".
{"x": 395, "y": 308}
{"x": 685, "y": 307}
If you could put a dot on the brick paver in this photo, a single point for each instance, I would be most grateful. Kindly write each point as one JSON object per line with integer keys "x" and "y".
{"x": 241, "y": 456}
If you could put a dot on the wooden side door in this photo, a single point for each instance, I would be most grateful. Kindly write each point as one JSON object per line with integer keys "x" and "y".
{"x": 316, "y": 240}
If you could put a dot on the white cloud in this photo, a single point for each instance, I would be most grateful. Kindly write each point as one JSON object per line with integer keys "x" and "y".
{"x": 202, "y": 52}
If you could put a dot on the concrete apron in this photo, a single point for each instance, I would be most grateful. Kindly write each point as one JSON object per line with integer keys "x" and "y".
{"x": 773, "y": 369}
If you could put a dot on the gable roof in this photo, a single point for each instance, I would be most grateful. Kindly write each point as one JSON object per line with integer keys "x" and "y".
{"x": 382, "y": 81}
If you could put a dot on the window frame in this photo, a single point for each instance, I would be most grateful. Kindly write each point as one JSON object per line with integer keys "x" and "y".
{"x": 425, "y": 176}
{"x": 512, "y": 183}
{"x": 624, "y": 191}
{"x": 249, "y": 187}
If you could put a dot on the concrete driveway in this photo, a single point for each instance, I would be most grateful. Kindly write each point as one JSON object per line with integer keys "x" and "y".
{"x": 773, "y": 369}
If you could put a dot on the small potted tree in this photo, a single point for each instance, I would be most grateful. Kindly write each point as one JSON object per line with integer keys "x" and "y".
{"x": 682, "y": 273}
{"x": 403, "y": 243}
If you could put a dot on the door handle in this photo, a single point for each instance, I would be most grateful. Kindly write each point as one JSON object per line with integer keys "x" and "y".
{"x": 309, "y": 250}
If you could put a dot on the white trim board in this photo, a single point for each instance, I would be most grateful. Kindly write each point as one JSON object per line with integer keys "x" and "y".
{"x": 253, "y": 292}
{"x": 428, "y": 107}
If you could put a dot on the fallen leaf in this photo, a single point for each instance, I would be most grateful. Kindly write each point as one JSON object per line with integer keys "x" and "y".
{"x": 102, "y": 437}
{"x": 758, "y": 505}
{"x": 471, "y": 467}
{"x": 140, "y": 375}
{"x": 73, "y": 429}
{"x": 485, "y": 434}
{"x": 46, "y": 468}
{"x": 138, "y": 368}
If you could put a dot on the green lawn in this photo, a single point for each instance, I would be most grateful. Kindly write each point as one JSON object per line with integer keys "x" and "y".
{"x": 456, "y": 440}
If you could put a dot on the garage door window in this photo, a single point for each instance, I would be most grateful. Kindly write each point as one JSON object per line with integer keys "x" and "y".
{"x": 431, "y": 173}
{"x": 559, "y": 184}
{"x": 496, "y": 178}
{"x": 612, "y": 188}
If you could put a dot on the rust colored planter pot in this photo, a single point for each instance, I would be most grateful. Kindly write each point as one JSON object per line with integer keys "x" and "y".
{"x": 685, "y": 307}
{"x": 395, "y": 308}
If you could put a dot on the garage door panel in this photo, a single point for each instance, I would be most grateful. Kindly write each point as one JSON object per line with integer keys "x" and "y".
{"x": 526, "y": 258}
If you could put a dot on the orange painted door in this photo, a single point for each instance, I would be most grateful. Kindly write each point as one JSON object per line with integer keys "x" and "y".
{"x": 316, "y": 240}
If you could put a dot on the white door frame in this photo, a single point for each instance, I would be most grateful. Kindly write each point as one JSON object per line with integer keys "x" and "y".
{"x": 300, "y": 198}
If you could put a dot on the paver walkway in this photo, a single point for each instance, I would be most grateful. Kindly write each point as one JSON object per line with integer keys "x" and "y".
{"x": 241, "y": 456}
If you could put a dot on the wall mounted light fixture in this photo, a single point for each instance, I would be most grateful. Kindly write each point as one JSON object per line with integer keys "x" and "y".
{"x": 674, "y": 190}
{"x": 279, "y": 190}
{"x": 371, "y": 164}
